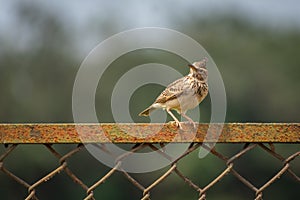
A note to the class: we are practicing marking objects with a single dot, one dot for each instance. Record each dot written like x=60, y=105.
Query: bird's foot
x=179, y=124
x=194, y=124
x=190, y=120
x=176, y=123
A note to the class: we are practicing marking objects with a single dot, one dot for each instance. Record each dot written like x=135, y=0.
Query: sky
x=155, y=13
x=78, y=15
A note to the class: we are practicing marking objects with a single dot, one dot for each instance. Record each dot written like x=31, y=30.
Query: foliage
x=259, y=65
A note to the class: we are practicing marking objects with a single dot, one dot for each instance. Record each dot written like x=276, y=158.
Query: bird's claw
x=177, y=124
x=194, y=124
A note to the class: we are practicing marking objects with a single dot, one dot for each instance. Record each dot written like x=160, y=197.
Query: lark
x=183, y=94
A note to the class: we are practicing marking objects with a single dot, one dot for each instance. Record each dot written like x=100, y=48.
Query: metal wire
x=173, y=168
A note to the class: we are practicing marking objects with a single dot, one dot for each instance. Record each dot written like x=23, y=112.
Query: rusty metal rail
x=254, y=135
x=142, y=133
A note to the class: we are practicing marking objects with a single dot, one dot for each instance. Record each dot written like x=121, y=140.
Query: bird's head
x=199, y=70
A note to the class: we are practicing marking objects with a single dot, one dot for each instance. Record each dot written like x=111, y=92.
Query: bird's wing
x=172, y=91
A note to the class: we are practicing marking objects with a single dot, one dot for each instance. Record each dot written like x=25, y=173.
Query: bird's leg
x=176, y=120
x=189, y=119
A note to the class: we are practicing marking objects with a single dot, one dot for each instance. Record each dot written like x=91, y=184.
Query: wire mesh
x=145, y=190
x=258, y=138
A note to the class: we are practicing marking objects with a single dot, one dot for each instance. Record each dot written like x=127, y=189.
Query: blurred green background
x=255, y=45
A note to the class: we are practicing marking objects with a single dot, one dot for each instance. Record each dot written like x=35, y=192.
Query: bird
x=183, y=94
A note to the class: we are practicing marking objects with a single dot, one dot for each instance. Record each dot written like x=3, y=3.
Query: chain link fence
x=288, y=164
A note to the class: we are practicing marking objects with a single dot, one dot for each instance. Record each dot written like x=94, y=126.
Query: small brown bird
x=183, y=94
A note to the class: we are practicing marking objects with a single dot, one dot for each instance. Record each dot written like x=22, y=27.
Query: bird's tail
x=147, y=111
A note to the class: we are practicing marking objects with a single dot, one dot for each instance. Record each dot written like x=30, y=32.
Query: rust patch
x=35, y=133
x=148, y=133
